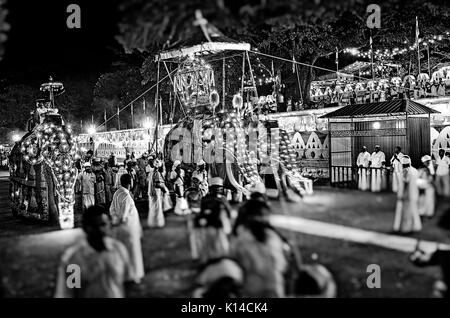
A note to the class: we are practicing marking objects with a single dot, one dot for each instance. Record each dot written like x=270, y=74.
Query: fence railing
x=370, y=179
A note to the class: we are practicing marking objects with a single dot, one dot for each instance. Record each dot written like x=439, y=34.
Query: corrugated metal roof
x=382, y=108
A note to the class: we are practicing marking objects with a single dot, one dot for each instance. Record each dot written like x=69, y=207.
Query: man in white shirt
x=396, y=167
x=363, y=163
x=377, y=163
x=127, y=226
x=442, y=174
x=103, y=262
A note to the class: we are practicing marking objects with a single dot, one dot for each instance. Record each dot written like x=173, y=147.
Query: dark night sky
x=40, y=42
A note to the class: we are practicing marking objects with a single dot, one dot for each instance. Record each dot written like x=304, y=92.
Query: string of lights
x=385, y=54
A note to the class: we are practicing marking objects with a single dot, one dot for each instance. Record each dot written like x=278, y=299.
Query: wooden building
x=401, y=122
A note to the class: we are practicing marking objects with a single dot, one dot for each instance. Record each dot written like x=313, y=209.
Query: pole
x=417, y=43
x=428, y=54
x=337, y=61
x=132, y=116
x=104, y=117
x=118, y=118
x=242, y=82
x=299, y=85
x=223, y=83
x=160, y=112
x=156, y=130
x=156, y=105
x=143, y=105
x=371, y=54
x=251, y=74
x=418, y=57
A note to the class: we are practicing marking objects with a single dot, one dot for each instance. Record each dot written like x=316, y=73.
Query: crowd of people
x=238, y=252
x=416, y=189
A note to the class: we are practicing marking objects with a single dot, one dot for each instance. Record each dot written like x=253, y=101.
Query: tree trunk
x=306, y=74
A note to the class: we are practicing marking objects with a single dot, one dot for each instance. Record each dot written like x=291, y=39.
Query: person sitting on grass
x=102, y=263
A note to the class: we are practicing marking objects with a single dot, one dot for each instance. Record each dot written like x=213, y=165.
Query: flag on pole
x=273, y=70
x=143, y=104
x=417, y=31
x=293, y=64
x=417, y=43
x=118, y=118
x=337, y=59
x=104, y=116
x=371, y=54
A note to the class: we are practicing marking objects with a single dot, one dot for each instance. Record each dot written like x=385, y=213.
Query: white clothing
x=442, y=165
x=103, y=274
x=427, y=196
x=442, y=176
x=407, y=217
x=363, y=159
x=155, y=202
x=87, y=188
x=363, y=173
x=396, y=164
x=128, y=228
x=377, y=159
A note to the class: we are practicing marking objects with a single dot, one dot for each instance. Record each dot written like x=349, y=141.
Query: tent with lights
x=401, y=122
x=42, y=170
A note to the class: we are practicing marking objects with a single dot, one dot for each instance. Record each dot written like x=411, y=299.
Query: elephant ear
x=31, y=150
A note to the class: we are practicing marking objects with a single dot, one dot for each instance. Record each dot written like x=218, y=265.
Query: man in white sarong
x=363, y=172
x=396, y=167
x=442, y=174
x=377, y=163
x=427, y=195
x=103, y=261
x=87, y=186
x=127, y=226
x=156, y=190
x=407, y=217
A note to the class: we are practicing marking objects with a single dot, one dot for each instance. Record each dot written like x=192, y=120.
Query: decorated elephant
x=42, y=169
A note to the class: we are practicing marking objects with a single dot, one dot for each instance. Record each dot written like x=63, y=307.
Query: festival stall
x=403, y=123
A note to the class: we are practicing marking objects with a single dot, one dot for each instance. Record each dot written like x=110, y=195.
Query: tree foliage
x=4, y=26
x=310, y=30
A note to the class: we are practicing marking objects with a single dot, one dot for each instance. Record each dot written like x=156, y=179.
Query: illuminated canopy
x=203, y=49
x=206, y=39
